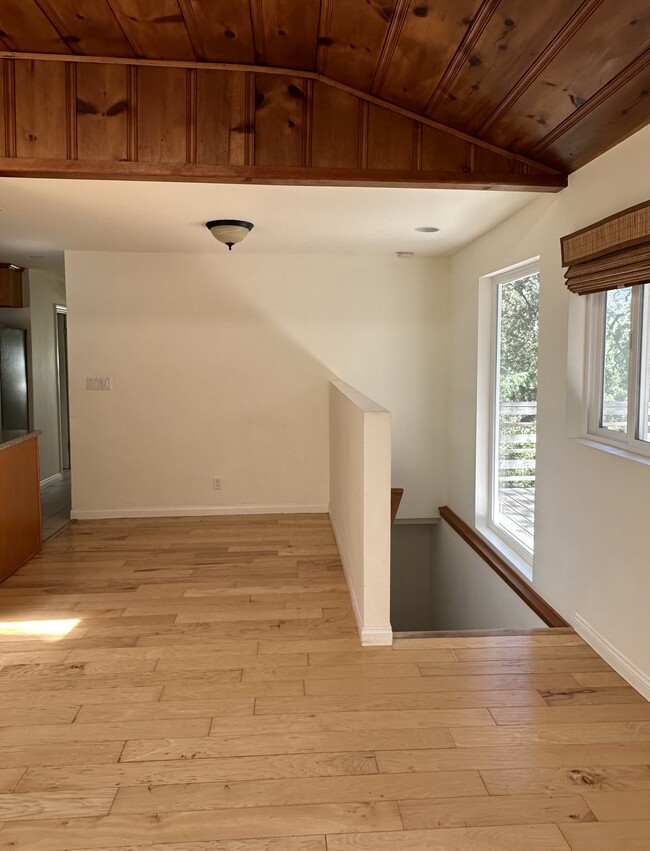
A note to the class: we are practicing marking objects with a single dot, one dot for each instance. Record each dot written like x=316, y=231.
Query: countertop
x=20, y=439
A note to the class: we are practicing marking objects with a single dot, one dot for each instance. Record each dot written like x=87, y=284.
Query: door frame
x=58, y=310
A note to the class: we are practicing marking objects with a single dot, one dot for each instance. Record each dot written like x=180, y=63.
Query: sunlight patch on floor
x=48, y=629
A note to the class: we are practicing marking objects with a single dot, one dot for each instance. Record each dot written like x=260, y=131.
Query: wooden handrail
x=498, y=564
x=396, y=495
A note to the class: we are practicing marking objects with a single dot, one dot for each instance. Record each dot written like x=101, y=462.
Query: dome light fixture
x=229, y=231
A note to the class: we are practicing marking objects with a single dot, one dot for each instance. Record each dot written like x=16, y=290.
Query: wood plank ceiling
x=558, y=81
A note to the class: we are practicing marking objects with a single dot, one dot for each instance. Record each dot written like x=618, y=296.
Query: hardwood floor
x=198, y=685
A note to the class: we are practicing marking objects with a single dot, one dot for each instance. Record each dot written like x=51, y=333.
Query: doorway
x=56, y=495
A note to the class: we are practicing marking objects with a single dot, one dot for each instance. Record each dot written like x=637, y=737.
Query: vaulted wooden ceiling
x=555, y=81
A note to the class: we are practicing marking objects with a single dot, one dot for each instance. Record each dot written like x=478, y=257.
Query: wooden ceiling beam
x=281, y=176
x=289, y=72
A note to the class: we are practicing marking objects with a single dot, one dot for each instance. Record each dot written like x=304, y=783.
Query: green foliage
x=518, y=344
x=519, y=320
x=618, y=318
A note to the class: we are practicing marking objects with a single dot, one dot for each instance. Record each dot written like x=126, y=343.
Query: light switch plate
x=98, y=384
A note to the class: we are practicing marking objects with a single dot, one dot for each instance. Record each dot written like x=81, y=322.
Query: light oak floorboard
x=47, y=805
x=217, y=746
x=9, y=778
x=494, y=810
x=242, y=823
x=56, y=754
x=398, y=702
x=211, y=694
x=533, y=837
x=584, y=779
x=271, y=793
x=396, y=685
x=619, y=806
x=535, y=756
x=107, y=732
x=583, y=696
x=637, y=732
x=508, y=715
x=167, y=709
x=283, y=843
x=228, y=769
x=422, y=719
x=608, y=836
x=599, y=679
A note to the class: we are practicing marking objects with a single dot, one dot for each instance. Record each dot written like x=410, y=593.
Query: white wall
x=592, y=551
x=46, y=289
x=220, y=366
x=360, y=461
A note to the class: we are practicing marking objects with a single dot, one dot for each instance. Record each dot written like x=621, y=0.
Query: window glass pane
x=518, y=310
x=616, y=363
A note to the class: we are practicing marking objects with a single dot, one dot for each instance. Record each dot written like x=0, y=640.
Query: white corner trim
x=194, y=511
x=57, y=477
x=628, y=670
x=371, y=636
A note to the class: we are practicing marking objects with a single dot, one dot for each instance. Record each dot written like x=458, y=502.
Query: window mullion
x=635, y=363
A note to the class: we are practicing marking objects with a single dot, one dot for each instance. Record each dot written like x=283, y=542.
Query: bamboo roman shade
x=612, y=253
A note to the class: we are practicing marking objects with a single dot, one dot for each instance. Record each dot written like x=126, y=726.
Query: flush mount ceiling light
x=427, y=229
x=229, y=231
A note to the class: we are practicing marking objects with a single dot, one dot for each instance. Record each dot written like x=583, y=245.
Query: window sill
x=611, y=449
x=514, y=559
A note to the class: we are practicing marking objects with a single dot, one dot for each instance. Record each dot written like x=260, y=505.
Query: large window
x=619, y=356
x=514, y=407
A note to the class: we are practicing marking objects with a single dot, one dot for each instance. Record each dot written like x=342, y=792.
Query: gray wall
x=439, y=583
x=467, y=594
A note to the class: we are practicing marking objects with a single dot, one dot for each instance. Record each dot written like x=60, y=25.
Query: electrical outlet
x=217, y=483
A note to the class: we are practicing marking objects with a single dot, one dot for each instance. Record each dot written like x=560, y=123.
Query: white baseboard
x=193, y=511
x=371, y=636
x=376, y=636
x=628, y=670
x=57, y=477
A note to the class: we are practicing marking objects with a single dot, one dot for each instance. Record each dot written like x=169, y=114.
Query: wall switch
x=217, y=483
x=98, y=384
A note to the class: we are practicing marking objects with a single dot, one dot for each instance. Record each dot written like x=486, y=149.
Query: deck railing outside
x=517, y=459
x=516, y=469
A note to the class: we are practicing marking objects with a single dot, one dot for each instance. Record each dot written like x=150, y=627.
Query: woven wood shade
x=612, y=253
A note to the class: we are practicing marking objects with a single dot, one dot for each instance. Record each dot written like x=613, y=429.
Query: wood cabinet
x=20, y=503
x=11, y=285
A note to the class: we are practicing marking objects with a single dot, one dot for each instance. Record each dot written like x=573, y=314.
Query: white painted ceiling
x=39, y=218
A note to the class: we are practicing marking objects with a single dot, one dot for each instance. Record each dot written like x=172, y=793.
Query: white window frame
x=515, y=547
x=637, y=382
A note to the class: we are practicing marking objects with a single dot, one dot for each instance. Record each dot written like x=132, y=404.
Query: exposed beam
x=289, y=72
x=289, y=176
